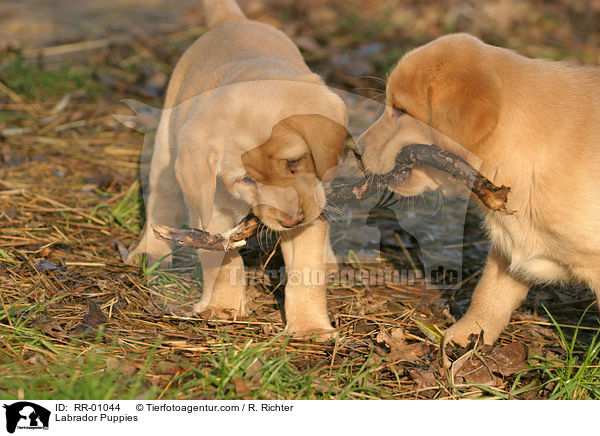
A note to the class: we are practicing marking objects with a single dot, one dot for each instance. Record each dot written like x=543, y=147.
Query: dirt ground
x=70, y=201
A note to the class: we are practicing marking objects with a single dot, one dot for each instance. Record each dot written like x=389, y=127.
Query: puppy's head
x=445, y=93
x=284, y=174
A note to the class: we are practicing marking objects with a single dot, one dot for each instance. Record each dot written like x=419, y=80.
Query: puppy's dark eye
x=396, y=111
x=293, y=165
x=248, y=180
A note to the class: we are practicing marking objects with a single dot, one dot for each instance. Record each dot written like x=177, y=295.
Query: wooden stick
x=492, y=196
x=195, y=238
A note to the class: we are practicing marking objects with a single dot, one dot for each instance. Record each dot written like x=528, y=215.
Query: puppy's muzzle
x=293, y=221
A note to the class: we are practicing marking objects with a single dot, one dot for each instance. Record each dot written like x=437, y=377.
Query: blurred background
x=342, y=40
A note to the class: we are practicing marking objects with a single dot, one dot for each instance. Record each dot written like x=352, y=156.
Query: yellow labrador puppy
x=247, y=126
x=535, y=126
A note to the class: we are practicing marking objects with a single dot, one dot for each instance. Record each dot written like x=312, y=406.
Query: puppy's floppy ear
x=465, y=107
x=196, y=174
x=256, y=165
x=324, y=137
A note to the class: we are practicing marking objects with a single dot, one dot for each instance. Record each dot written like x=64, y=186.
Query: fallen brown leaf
x=254, y=371
x=474, y=368
x=399, y=349
x=91, y=320
x=121, y=365
x=51, y=327
x=241, y=386
x=168, y=368
x=423, y=378
x=509, y=359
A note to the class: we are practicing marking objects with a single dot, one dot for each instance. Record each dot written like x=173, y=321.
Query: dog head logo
x=25, y=414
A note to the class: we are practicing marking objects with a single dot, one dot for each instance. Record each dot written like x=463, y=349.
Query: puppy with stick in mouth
x=535, y=126
x=247, y=126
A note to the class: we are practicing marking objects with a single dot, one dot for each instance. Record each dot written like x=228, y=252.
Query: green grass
x=49, y=369
x=36, y=366
x=576, y=374
x=111, y=366
x=254, y=365
x=125, y=213
x=267, y=371
x=53, y=371
x=572, y=375
x=87, y=370
x=174, y=284
x=245, y=364
x=28, y=78
x=5, y=255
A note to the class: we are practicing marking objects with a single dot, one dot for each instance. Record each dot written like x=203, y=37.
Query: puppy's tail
x=221, y=11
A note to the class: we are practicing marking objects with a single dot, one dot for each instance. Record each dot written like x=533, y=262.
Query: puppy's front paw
x=304, y=333
x=460, y=332
x=217, y=313
x=212, y=311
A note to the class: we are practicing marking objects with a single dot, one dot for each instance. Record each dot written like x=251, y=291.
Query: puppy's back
x=234, y=50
